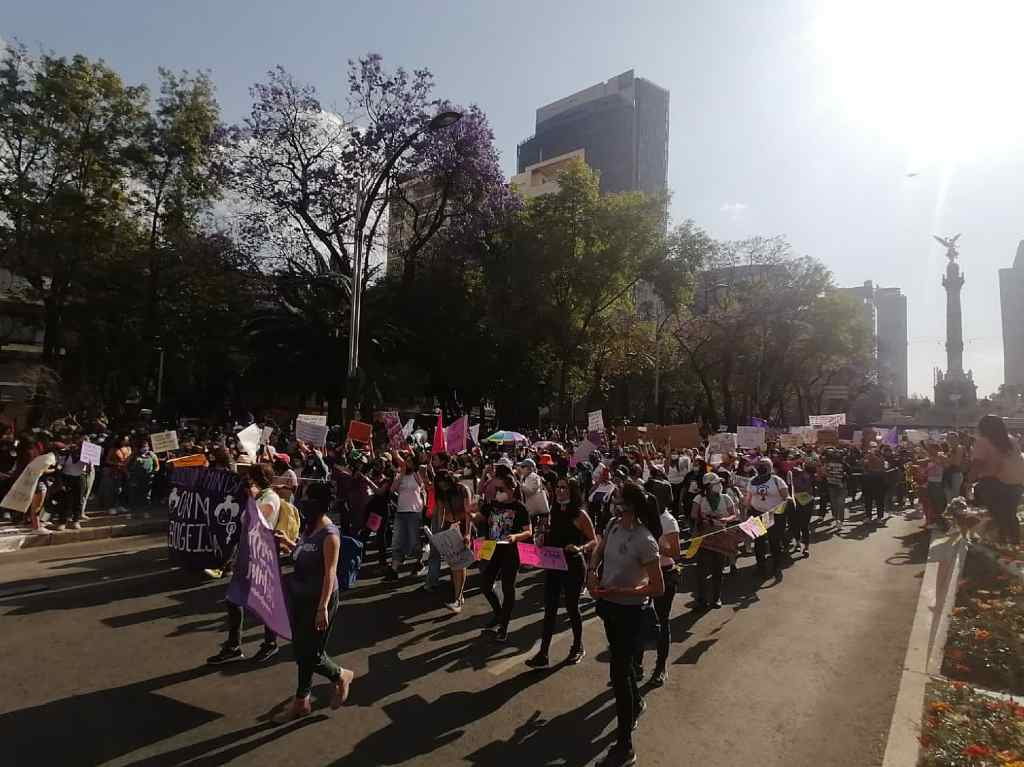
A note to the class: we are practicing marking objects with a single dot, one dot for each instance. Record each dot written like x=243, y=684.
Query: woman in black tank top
x=572, y=531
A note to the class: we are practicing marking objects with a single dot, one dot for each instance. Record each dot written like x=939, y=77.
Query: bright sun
x=943, y=79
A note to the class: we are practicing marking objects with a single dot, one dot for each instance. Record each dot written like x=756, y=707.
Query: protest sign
x=19, y=497
x=249, y=440
x=916, y=436
x=751, y=437
x=827, y=437
x=409, y=426
x=256, y=583
x=725, y=542
x=455, y=436
x=832, y=421
x=451, y=548
x=205, y=516
x=393, y=426
x=311, y=433
x=678, y=435
x=484, y=549
x=163, y=441
x=268, y=432
x=595, y=421
x=722, y=443
x=857, y=437
x=92, y=454
x=358, y=431
x=320, y=420
x=474, y=433
x=790, y=441
x=582, y=453
x=546, y=557
x=188, y=461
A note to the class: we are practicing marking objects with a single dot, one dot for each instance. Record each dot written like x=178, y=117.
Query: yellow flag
x=761, y=529
x=694, y=545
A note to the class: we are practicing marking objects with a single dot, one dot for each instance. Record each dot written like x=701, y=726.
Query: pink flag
x=455, y=436
x=438, y=445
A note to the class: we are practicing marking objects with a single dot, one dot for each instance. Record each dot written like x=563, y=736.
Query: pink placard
x=528, y=554
x=373, y=521
x=552, y=558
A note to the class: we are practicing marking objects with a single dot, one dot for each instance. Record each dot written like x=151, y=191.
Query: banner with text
x=256, y=583
x=163, y=441
x=19, y=497
x=595, y=421
x=750, y=437
x=833, y=421
x=204, y=514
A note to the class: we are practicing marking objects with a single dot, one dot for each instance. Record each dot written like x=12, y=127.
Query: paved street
x=105, y=666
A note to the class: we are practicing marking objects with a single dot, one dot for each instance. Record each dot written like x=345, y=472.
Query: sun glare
x=942, y=79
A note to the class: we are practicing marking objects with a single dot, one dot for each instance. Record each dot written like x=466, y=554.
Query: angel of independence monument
x=954, y=390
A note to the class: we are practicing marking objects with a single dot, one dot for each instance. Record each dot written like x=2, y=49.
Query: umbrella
x=546, y=446
x=506, y=436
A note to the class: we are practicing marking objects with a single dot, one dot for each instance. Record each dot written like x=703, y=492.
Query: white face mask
x=501, y=496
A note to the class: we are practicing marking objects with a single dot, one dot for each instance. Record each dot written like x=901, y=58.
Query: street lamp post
x=365, y=197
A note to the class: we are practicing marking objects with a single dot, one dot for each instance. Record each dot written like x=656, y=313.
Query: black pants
x=709, y=563
x=823, y=498
x=74, y=489
x=663, y=606
x=505, y=565
x=235, y=627
x=310, y=645
x=623, y=625
x=677, y=493
x=567, y=583
x=874, y=494
x=774, y=541
x=800, y=521
x=1002, y=501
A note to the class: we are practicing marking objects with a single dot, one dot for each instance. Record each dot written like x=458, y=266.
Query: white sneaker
x=455, y=607
x=42, y=531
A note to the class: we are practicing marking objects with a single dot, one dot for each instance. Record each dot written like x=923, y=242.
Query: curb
x=925, y=648
x=19, y=539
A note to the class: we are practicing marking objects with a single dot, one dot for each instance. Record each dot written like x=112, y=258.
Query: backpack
x=288, y=520
x=349, y=560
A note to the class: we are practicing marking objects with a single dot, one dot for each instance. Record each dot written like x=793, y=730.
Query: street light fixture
x=364, y=203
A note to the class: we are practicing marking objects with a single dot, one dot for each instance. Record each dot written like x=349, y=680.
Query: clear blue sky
x=788, y=117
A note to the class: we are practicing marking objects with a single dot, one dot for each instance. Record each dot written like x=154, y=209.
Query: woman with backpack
x=314, y=603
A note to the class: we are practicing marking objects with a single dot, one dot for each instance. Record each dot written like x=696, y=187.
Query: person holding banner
x=624, y=572
x=314, y=603
x=768, y=493
x=507, y=522
x=571, y=530
x=713, y=510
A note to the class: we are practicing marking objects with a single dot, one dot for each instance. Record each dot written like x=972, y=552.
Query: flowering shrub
x=963, y=727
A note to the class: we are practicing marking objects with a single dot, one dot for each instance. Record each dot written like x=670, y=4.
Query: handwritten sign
x=312, y=433
x=164, y=441
x=249, y=440
x=826, y=437
x=484, y=550
x=205, y=514
x=319, y=420
x=452, y=548
x=546, y=557
x=595, y=421
x=256, y=583
x=393, y=426
x=751, y=437
x=790, y=441
x=832, y=421
x=19, y=497
x=722, y=443
x=582, y=453
x=358, y=431
x=92, y=454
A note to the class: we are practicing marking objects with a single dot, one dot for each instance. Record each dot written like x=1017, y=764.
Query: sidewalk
x=98, y=524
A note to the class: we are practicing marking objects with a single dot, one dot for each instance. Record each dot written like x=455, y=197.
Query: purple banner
x=257, y=580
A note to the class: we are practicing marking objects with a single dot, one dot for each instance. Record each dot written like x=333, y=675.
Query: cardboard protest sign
x=677, y=435
x=546, y=557
x=751, y=437
x=722, y=443
x=311, y=433
x=358, y=431
x=92, y=454
x=163, y=441
x=583, y=451
x=595, y=421
x=725, y=542
x=320, y=420
x=455, y=436
x=631, y=435
x=790, y=441
x=827, y=437
x=484, y=549
x=249, y=440
x=845, y=432
x=205, y=514
x=451, y=548
x=19, y=497
x=256, y=583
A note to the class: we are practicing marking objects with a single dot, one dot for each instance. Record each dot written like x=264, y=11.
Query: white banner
x=249, y=440
x=317, y=419
x=163, y=441
x=752, y=437
x=595, y=421
x=19, y=497
x=722, y=443
x=833, y=421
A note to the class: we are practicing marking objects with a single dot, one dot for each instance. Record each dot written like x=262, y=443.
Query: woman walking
x=571, y=530
x=314, y=601
x=624, y=573
x=451, y=509
x=411, y=500
x=999, y=468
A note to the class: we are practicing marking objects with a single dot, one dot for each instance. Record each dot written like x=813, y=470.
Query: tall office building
x=1011, y=301
x=622, y=127
x=885, y=313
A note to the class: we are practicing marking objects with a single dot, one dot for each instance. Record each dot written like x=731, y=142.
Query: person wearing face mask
x=451, y=509
x=573, y=532
x=767, y=492
x=712, y=511
x=677, y=466
x=692, y=487
x=507, y=523
x=314, y=603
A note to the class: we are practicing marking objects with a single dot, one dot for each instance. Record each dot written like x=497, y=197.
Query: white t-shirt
x=410, y=499
x=768, y=495
x=668, y=525
x=676, y=475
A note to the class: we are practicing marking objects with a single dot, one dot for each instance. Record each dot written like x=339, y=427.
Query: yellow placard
x=487, y=549
x=691, y=552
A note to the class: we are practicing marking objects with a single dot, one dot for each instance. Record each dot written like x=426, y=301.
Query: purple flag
x=257, y=580
x=891, y=437
x=455, y=436
x=759, y=422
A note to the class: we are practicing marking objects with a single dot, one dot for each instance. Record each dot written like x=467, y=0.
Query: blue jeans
x=433, y=567
x=956, y=479
x=406, y=539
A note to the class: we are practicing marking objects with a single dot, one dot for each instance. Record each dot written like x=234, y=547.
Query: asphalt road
x=104, y=645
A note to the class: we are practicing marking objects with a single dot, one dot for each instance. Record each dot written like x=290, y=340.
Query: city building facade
x=885, y=313
x=1011, y=303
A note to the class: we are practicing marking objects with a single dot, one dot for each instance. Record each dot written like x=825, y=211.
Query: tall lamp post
x=365, y=197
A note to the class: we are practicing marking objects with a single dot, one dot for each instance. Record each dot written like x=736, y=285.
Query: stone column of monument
x=954, y=389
